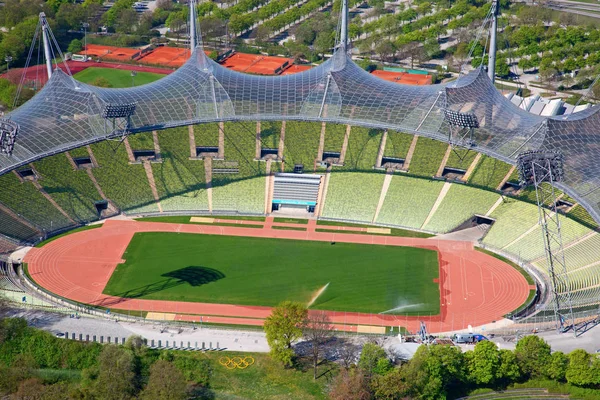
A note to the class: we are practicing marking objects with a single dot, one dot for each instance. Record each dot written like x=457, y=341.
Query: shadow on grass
x=194, y=276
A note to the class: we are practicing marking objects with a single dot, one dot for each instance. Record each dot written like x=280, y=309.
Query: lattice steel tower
x=541, y=169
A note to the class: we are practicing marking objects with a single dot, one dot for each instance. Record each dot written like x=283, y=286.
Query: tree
x=324, y=42
x=350, y=385
x=385, y=49
x=434, y=371
x=432, y=48
x=166, y=382
x=75, y=46
x=263, y=33
x=305, y=33
x=30, y=389
x=348, y=352
x=483, y=363
x=283, y=327
x=509, y=369
x=317, y=329
x=373, y=360
x=502, y=67
x=127, y=21
x=391, y=386
x=557, y=367
x=414, y=51
x=583, y=369
x=116, y=376
x=532, y=354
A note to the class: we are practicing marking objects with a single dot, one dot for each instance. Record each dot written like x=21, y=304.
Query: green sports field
x=258, y=271
x=117, y=78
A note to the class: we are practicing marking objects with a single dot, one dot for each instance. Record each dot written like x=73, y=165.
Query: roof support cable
x=214, y=96
x=325, y=95
x=27, y=63
x=235, y=144
x=486, y=20
x=542, y=125
x=586, y=93
x=429, y=111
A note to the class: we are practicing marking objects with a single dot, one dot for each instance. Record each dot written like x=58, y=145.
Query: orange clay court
x=403, y=77
x=111, y=52
x=257, y=64
x=475, y=289
x=167, y=56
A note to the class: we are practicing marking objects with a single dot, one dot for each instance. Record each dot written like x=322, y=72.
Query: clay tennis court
x=475, y=289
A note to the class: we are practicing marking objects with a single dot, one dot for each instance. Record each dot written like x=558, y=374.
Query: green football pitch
x=118, y=78
x=264, y=272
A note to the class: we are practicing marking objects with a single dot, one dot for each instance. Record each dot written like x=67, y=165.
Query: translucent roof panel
x=66, y=114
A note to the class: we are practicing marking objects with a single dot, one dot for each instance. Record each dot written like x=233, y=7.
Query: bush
x=194, y=369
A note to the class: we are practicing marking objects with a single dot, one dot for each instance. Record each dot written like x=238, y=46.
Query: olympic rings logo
x=236, y=362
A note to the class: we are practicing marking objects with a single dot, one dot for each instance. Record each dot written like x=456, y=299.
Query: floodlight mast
x=493, y=40
x=46, y=42
x=535, y=169
x=460, y=126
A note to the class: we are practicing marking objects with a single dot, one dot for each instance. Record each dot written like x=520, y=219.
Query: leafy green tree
x=69, y=16
x=305, y=33
x=75, y=46
x=434, y=371
x=373, y=360
x=126, y=21
x=111, y=16
x=483, y=363
x=324, y=42
x=386, y=50
x=508, y=371
x=55, y=4
x=283, y=327
x=166, y=382
x=583, y=369
x=502, y=68
x=533, y=354
x=116, y=377
x=557, y=367
x=391, y=386
x=525, y=63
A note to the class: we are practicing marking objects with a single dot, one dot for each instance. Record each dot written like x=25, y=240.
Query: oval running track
x=475, y=288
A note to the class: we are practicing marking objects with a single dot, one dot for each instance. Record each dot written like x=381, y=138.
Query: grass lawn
x=259, y=271
x=118, y=78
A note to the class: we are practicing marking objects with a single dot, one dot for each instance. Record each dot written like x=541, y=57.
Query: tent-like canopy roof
x=67, y=114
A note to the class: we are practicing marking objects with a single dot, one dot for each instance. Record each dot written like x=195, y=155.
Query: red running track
x=476, y=289
x=38, y=72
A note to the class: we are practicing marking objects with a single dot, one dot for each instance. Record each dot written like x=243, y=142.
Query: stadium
x=212, y=195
